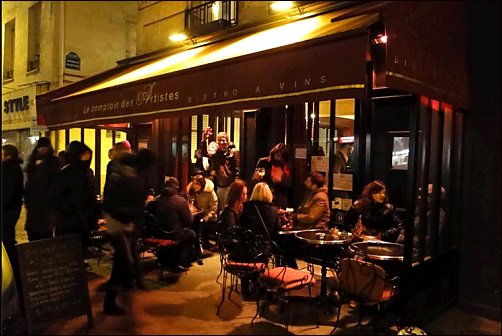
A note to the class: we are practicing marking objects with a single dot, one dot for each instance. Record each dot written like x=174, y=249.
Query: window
x=205, y=17
x=34, y=21
x=10, y=36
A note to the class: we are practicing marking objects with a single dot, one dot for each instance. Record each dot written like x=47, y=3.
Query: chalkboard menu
x=53, y=279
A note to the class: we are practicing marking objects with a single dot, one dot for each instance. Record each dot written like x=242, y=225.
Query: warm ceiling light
x=380, y=39
x=178, y=37
x=281, y=5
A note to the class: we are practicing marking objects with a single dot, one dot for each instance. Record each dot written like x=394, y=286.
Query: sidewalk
x=185, y=303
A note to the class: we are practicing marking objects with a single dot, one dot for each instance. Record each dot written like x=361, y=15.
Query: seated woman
x=201, y=190
x=377, y=216
x=261, y=217
x=231, y=213
x=173, y=214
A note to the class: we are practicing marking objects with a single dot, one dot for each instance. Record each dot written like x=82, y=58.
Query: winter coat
x=381, y=219
x=250, y=219
x=74, y=194
x=205, y=200
x=124, y=193
x=314, y=210
x=228, y=218
x=12, y=197
x=41, y=175
x=224, y=165
x=173, y=214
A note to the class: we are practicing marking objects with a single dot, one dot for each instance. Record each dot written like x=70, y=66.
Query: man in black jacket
x=124, y=202
x=173, y=215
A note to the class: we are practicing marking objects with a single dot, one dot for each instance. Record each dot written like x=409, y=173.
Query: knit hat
x=44, y=142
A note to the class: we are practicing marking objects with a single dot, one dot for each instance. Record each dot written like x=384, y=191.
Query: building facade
x=314, y=76
x=46, y=45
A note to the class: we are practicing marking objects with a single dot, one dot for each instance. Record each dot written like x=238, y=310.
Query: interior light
x=380, y=39
x=178, y=37
x=312, y=116
x=281, y=5
x=216, y=9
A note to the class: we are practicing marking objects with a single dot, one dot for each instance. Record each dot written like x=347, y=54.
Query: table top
x=295, y=231
x=379, y=250
x=329, y=238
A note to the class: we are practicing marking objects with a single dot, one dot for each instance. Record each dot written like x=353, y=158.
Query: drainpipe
x=62, y=43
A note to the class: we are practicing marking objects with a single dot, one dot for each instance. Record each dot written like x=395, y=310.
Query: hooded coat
x=12, y=198
x=74, y=194
x=205, y=200
x=124, y=194
x=41, y=174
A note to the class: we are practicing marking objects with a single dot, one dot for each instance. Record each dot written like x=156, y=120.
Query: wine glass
x=260, y=171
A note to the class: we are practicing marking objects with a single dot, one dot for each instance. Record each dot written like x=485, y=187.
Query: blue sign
x=72, y=61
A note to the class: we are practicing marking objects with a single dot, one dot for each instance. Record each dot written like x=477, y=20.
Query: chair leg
x=312, y=312
x=223, y=286
x=233, y=282
x=219, y=274
x=257, y=310
x=339, y=308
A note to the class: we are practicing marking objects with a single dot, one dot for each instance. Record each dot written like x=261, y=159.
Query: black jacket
x=74, y=194
x=12, y=191
x=124, y=194
x=41, y=175
x=251, y=220
x=381, y=218
x=172, y=213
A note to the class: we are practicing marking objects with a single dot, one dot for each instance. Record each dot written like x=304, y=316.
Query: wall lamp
x=180, y=37
x=378, y=34
x=282, y=6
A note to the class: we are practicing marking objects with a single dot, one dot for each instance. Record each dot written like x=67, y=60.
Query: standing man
x=123, y=204
x=224, y=164
x=42, y=169
x=342, y=157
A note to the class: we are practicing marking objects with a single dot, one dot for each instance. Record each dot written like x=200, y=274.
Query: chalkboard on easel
x=54, y=282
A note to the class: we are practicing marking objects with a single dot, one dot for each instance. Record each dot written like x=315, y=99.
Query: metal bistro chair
x=365, y=283
x=278, y=282
x=239, y=251
x=159, y=241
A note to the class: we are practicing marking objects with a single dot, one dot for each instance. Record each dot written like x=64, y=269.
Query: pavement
x=185, y=304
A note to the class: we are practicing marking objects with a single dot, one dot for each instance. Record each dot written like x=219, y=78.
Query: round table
x=326, y=244
x=386, y=254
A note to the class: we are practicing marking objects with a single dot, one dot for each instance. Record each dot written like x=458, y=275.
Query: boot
x=110, y=307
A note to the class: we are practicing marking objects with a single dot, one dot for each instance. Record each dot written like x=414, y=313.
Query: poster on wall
x=320, y=164
x=342, y=182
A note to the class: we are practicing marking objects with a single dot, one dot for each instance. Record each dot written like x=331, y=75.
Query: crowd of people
x=60, y=199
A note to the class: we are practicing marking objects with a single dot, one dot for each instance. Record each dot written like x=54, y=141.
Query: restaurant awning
x=427, y=49
x=311, y=58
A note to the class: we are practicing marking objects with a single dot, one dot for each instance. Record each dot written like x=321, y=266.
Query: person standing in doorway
x=42, y=168
x=225, y=163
